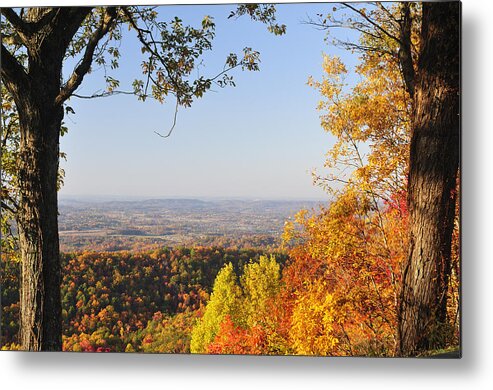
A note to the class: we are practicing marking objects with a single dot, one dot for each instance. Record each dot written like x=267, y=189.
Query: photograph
x=232, y=179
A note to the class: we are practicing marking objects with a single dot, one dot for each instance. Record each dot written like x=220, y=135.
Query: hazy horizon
x=118, y=197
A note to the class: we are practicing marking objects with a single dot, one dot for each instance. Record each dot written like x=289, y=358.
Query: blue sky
x=260, y=139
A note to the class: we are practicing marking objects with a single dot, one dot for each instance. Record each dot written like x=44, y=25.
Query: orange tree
x=353, y=248
x=387, y=127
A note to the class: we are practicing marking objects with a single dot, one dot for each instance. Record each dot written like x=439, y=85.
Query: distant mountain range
x=190, y=204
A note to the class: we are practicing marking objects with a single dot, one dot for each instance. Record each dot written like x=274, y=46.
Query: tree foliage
x=340, y=292
x=223, y=303
x=146, y=301
x=236, y=318
x=356, y=247
x=171, y=48
x=312, y=324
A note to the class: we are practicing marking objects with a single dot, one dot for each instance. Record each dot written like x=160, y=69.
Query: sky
x=260, y=139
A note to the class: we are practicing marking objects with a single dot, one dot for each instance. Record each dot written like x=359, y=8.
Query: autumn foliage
x=339, y=291
x=332, y=289
x=121, y=301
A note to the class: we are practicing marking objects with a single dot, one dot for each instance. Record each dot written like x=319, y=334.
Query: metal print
x=267, y=179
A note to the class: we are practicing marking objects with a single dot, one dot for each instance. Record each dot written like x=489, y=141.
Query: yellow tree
x=422, y=41
x=237, y=317
x=401, y=119
x=314, y=316
x=340, y=252
x=260, y=284
x=223, y=302
x=361, y=238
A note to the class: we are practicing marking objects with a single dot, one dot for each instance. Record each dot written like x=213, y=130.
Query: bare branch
x=103, y=94
x=112, y=93
x=376, y=25
x=83, y=67
x=174, y=122
x=322, y=25
x=363, y=48
x=362, y=28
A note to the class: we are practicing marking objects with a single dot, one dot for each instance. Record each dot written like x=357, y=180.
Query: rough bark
x=434, y=161
x=46, y=34
x=40, y=120
x=38, y=230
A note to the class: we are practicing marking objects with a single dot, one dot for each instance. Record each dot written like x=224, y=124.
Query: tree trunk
x=45, y=34
x=38, y=234
x=434, y=161
x=40, y=121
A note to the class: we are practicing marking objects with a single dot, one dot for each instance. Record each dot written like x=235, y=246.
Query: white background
x=132, y=371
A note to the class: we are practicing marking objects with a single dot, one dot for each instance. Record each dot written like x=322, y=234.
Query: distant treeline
x=135, y=240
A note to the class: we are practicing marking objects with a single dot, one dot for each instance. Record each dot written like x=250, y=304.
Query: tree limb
x=20, y=27
x=174, y=122
x=376, y=25
x=66, y=22
x=154, y=52
x=13, y=73
x=43, y=21
x=103, y=94
x=363, y=48
x=362, y=28
x=389, y=14
x=5, y=206
x=83, y=67
x=405, y=53
x=25, y=28
x=15, y=20
x=8, y=128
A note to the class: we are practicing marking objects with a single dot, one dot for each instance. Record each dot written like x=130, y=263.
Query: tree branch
x=323, y=26
x=5, y=206
x=362, y=48
x=43, y=21
x=42, y=18
x=8, y=128
x=376, y=25
x=174, y=122
x=13, y=73
x=20, y=27
x=66, y=22
x=389, y=14
x=103, y=94
x=26, y=28
x=153, y=51
x=15, y=20
x=83, y=67
x=405, y=53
